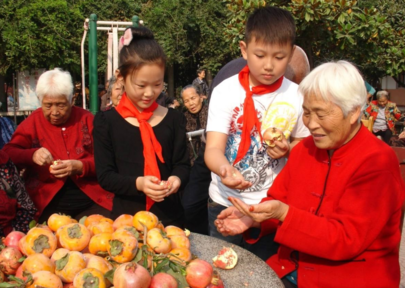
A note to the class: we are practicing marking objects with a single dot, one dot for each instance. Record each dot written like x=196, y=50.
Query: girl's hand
x=150, y=185
x=280, y=147
x=174, y=184
x=232, y=178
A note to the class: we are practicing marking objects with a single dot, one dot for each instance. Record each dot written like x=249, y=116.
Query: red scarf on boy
x=151, y=145
x=249, y=112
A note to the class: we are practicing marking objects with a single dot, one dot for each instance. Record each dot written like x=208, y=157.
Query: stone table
x=251, y=271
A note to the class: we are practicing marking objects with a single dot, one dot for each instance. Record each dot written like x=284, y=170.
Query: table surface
x=251, y=271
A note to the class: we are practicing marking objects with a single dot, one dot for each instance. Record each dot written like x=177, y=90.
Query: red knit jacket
x=73, y=140
x=344, y=215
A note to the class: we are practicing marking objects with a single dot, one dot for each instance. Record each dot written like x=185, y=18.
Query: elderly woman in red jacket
x=55, y=146
x=336, y=205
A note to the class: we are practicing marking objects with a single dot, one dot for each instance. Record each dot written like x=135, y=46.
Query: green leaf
x=109, y=275
x=61, y=263
x=81, y=221
x=32, y=224
x=181, y=279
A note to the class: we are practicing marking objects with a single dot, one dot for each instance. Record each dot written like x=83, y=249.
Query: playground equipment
x=112, y=27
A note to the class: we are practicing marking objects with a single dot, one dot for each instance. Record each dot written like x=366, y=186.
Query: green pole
x=94, y=101
x=135, y=21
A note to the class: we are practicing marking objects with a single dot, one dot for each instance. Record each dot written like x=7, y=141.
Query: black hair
x=142, y=50
x=270, y=25
x=199, y=70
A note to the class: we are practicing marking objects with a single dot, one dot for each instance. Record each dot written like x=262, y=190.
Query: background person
x=114, y=92
x=63, y=133
x=16, y=207
x=242, y=166
x=200, y=83
x=385, y=113
x=196, y=116
x=334, y=230
x=140, y=143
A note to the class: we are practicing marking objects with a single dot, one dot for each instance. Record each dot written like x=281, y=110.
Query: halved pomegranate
x=226, y=258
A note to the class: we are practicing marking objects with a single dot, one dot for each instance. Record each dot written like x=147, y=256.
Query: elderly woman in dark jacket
x=196, y=115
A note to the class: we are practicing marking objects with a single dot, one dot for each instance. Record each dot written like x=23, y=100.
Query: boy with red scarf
x=242, y=164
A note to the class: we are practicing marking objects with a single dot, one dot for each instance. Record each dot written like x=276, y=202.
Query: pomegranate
x=9, y=260
x=199, y=273
x=271, y=135
x=226, y=258
x=13, y=238
x=131, y=275
x=163, y=280
x=216, y=281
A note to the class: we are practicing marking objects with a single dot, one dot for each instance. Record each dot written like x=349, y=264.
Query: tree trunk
x=3, y=95
x=170, y=76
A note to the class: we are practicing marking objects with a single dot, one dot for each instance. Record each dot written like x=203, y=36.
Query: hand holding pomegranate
x=278, y=144
x=42, y=157
x=272, y=209
x=175, y=184
x=153, y=188
x=65, y=168
x=233, y=222
x=232, y=178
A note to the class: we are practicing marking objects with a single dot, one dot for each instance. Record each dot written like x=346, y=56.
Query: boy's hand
x=280, y=146
x=151, y=186
x=232, y=178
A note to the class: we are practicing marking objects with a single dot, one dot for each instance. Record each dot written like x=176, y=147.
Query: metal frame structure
x=93, y=25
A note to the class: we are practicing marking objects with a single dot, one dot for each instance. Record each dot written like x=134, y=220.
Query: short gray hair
x=188, y=87
x=339, y=82
x=111, y=83
x=383, y=93
x=54, y=83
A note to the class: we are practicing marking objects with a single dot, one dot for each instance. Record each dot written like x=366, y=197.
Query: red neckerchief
x=151, y=145
x=249, y=112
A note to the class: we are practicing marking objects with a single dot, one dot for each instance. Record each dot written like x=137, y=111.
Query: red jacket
x=344, y=215
x=73, y=140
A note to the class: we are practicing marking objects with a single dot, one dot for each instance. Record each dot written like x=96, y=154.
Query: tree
x=339, y=29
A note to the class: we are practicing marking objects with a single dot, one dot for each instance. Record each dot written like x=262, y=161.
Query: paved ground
x=402, y=257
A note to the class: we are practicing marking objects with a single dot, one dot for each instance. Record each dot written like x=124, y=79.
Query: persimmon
x=100, y=264
x=69, y=265
x=158, y=241
x=40, y=240
x=100, y=227
x=105, y=219
x=145, y=219
x=22, y=245
x=180, y=254
x=98, y=244
x=74, y=237
x=89, y=278
x=174, y=230
x=59, y=253
x=123, y=220
x=45, y=279
x=57, y=220
x=130, y=229
x=179, y=241
x=94, y=218
x=38, y=262
x=122, y=246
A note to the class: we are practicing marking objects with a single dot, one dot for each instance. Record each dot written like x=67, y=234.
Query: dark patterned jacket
x=196, y=122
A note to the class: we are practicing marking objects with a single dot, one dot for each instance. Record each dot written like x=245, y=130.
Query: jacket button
x=282, y=267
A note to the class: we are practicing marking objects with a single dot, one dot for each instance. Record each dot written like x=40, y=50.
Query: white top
x=281, y=109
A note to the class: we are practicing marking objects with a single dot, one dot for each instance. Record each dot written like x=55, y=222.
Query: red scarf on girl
x=249, y=112
x=151, y=145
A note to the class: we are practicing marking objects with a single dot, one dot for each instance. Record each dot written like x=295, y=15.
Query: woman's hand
x=232, y=178
x=66, y=168
x=150, y=185
x=272, y=209
x=232, y=222
x=42, y=157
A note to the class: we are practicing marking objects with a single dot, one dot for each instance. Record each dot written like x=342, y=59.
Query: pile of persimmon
x=97, y=252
